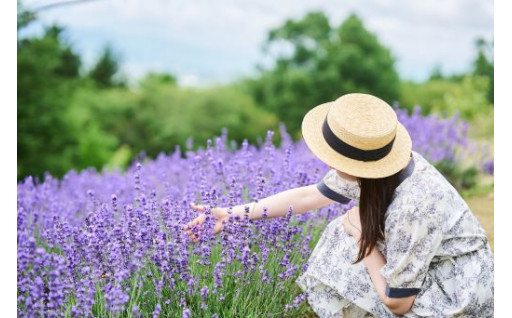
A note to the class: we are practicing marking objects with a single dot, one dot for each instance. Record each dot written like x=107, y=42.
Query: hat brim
x=395, y=161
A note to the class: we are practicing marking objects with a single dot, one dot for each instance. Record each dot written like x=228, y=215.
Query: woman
x=412, y=247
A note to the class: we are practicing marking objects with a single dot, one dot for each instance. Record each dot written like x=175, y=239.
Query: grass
x=482, y=206
x=255, y=300
x=481, y=198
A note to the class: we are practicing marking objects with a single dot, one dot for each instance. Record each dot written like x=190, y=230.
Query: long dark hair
x=374, y=199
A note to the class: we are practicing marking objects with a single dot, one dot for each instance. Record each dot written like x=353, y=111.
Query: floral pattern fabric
x=434, y=248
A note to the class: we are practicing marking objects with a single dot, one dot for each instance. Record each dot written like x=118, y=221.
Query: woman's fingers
x=197, y=207
x=197, y=221
x=193, y=236
x=217, y=227
x=191, y=225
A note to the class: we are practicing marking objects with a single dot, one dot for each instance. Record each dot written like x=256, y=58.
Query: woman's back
x=434, y=246
x=426, y=191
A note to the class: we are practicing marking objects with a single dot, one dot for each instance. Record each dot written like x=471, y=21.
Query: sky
x=204, y=42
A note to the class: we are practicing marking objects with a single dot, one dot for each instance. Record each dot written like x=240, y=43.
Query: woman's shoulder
x=426, y=193
x=425, y=180
x=337, y=188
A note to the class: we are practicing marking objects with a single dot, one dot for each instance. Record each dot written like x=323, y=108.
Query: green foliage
x=471, y=93
x=163, y=78
x=482, y=126
x=436, y=73
x=24, y=16
x=468, y=96
x=103, y=73
x=160, y=115
x=67, y=120
x=120, y=158
x=95, y=147
x=48, y=73
x=325, y=63
x=483, y=66
x=462, y=178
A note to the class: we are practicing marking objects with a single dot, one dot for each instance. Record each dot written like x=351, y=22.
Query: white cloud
x=189, y=80
x=216, y=40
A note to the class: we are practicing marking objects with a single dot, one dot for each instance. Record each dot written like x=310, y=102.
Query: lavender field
x=110, y=243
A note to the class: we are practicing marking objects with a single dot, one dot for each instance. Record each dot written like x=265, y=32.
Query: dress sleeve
x=338, y=189
x=413, y=234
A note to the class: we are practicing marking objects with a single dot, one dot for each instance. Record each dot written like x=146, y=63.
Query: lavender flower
x=204, y=292
x=488, y=167
x=156, y=312
x=100, y=237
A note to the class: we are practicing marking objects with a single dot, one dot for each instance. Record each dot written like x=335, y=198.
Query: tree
x=324, y=63
x=159, y=115
x=436, y=73
x=48, y=72
x=163, y=78
x=104, y=71
x=24, y=16
x=484, y=66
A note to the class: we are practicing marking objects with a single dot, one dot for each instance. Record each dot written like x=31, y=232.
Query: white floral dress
x=434, y=247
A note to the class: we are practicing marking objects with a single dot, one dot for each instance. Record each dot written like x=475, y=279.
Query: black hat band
x=352, y=152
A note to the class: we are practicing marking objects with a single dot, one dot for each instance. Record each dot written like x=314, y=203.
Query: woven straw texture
x=363, y=121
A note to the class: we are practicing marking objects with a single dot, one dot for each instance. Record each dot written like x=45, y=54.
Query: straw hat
x=358, y=134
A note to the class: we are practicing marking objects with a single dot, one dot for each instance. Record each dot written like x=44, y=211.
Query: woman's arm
x=302, y=199
x=374, y=262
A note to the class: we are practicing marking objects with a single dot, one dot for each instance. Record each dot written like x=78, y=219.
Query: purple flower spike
x=119, y=237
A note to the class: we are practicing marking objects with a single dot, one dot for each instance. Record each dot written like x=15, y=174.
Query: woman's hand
x=220, y=214
x=351, y=222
